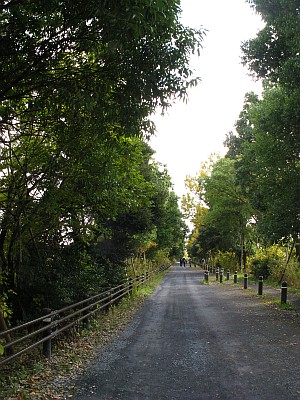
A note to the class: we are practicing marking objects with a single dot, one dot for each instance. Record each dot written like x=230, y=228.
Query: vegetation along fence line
x=41, y=331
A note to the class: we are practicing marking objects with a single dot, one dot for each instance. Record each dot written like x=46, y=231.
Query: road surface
x=193, y=341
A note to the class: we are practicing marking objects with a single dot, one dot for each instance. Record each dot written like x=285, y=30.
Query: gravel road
x=192, y=341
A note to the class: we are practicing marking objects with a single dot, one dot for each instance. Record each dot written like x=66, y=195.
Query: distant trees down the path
x=81, y=197
x=246, y=206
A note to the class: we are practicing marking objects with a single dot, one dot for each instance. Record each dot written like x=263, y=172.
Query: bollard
x=283, y=292
x=217, y=274
x=235, y=277
x=206, y=275
x=227, y=275
x=245, y=281
x=260, y=285
x=221, y=276
x=47, y=344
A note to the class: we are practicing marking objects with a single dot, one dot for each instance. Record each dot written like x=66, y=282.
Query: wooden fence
x=41, y=331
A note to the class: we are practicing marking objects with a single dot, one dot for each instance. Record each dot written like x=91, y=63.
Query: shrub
x=290, y=273
x=260, y=267
x=266, y=262
x=227, y=260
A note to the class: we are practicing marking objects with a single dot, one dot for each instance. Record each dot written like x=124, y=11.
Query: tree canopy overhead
x=111, y=61
x=79, y=82
x=274, y=52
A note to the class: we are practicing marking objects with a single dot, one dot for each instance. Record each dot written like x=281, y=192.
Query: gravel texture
x=194, y=341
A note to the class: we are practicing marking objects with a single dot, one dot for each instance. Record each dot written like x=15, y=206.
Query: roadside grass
x=284, y=306
x=203, y=282
x=252, y=280
x=33, y=377
x=294, y=290
x=272, y=301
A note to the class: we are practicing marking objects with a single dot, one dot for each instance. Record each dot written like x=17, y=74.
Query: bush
x=227, y=260
x=270, y=262
x=260, y=267
x=267, y=262
x=289, y=273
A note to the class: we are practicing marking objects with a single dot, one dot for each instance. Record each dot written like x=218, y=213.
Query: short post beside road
x=206, y=273
x=245, y=281
x=235, y=277
x=227, y=275
x=47, y=333
x=221, y=276
x=283, y=292
x=260, y=285
x=217, y=274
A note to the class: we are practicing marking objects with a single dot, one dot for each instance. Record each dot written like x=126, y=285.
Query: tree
x=274, y=56
x=274, y=52
x=171, y=229
x=79, y=82
x=132, y=55
x=224, y=221
x=229, y=209
x=269, y=162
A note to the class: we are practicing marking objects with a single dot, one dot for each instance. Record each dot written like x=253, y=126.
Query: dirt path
x=194, y=342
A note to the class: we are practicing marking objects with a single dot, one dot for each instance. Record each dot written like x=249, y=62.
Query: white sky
x=189, y=133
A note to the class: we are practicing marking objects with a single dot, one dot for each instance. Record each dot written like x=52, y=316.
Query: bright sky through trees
x=189, y=133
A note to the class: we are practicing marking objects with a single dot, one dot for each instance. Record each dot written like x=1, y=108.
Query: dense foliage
x=80, y=192
x=224, y=219
x=254, y=191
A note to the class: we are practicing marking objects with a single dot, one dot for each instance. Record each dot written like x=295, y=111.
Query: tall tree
x=274, y=52
x=132, y=55
x=77, y=81
x=225, y=220
x=274, y=56
x=268, y=162
x=229, y=209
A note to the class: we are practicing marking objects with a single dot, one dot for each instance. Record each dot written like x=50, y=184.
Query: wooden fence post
x=47, y=332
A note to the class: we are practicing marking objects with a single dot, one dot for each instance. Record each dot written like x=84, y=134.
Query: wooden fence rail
x=41, y=331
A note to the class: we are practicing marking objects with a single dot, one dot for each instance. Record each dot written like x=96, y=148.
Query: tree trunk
x=243, y=260
x=2, y=253
x=297, y=247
